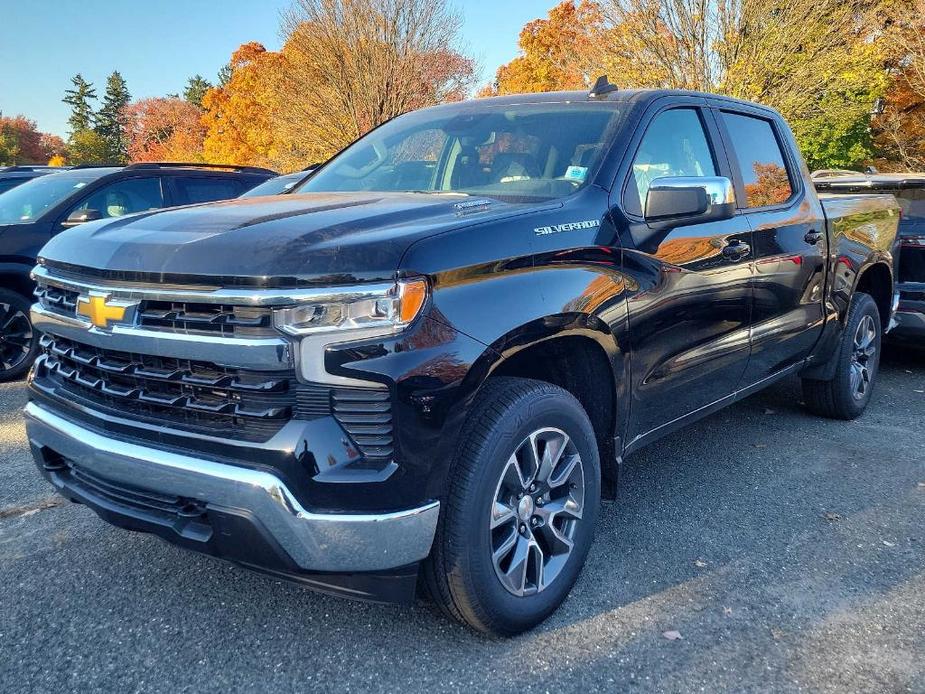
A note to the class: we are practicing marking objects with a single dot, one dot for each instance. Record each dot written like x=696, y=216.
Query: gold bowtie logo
x=100, y=310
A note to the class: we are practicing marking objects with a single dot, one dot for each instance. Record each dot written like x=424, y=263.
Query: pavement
x=787, y=552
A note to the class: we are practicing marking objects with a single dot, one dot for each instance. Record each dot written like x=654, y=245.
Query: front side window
x=675, y=144
x=761, y=161
x=27, y=202
x=515, y=152
x=124, y=197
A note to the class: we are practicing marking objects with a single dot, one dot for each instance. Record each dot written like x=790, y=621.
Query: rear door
x=689, y=316
x=788, y=238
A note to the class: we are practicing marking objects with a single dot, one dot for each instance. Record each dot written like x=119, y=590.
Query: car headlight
x=372, y=309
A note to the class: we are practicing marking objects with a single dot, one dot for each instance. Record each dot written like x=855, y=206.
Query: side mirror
x=80, y=216
x=675, y=201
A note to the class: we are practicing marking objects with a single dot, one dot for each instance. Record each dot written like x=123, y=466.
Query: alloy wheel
x=863, y=359
x=535, y=512
x=15, y=336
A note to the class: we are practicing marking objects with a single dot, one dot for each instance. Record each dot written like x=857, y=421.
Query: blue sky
x=158, y=44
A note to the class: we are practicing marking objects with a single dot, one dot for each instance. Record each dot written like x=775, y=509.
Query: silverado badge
x=99, y=309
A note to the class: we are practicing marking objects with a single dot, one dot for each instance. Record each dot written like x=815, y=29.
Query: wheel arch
x=579, y=354
x=876, y=279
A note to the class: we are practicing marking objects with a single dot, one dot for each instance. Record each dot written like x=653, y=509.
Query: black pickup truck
x=425, y=366
x=909, y=189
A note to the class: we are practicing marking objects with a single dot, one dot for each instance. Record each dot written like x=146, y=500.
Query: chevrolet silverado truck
x=909, y=189
x=423, y=368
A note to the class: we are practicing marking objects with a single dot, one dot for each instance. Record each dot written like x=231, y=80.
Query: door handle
x=813, y=237
x=736, y=250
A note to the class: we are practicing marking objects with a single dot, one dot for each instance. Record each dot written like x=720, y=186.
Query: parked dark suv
x=12, y=176
x=909, y=189
x=34, y=212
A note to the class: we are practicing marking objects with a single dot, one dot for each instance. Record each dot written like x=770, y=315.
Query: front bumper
x=246, y=515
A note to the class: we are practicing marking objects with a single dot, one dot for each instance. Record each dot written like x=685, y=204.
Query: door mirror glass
x=80, y=216
x=683, y=200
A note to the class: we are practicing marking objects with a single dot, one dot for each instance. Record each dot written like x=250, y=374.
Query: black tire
x=19, y=343
x=839, y=398
x=461, y=575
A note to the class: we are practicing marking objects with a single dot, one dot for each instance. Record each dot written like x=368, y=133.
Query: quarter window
x=674, y=145
x=761, y=161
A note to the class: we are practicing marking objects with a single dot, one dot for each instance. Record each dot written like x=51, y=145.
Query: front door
x=689, y=317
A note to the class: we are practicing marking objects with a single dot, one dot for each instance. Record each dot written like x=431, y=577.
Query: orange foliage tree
x=555, y=52
x=238, y=116
x=163, y=129
x=22, y=143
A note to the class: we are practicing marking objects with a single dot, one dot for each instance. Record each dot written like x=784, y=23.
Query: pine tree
x=196, y=88
x=78, y=99
x=110, y=120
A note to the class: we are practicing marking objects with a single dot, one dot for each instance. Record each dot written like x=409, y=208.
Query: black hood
x=312, y=238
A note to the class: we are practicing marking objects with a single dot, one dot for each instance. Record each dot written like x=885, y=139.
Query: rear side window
x=193, y=190
x=674, y=145
x=761, y=161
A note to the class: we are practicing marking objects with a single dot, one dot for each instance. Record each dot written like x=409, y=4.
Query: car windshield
x=275, y=186
x=514, y=152
x=29, y=201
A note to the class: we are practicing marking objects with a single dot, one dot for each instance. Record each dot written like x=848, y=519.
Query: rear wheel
x=520, y=513
x=846, y=395
x=18, y=341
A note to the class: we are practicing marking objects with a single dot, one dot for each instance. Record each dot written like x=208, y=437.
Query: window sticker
x=576, y=173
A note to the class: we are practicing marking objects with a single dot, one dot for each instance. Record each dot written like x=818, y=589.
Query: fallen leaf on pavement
x=777, y=634
x=672, y=635
x=727, y=611
x=832, y=516
x=889, y=544
x=921, y=485
x=700, y=563
x=768, y=410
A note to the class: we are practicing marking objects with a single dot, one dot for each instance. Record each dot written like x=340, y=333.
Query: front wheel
x=18, y=341
x=846, y=395
x=521, y=508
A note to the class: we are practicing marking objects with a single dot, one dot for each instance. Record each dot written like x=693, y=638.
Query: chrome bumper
x=314, y=541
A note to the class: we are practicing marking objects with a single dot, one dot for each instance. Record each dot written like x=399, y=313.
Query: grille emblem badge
x=100, y=310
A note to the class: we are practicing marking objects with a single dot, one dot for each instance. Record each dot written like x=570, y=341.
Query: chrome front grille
x=189, y=318
x=181, y=393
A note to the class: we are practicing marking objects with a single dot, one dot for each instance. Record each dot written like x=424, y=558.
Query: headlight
x=373, y=309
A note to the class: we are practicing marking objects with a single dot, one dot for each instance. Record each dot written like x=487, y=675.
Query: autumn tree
x=87, y=147
x=814, y=60
x=21, y=142
x=110, y=120
x=350, y=65
x=163, y=129
x=899, y=127
x=238, y=115
x=555, y=53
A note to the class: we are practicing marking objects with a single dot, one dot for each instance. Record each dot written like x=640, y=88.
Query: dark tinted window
x=674, y=145
x=763, y=167
x=193, y=190
x=7, y=183
x=127, y=196
x=912, y=202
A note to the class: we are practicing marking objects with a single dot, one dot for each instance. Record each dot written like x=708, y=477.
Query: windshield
x=515, y=152
x=27, y=202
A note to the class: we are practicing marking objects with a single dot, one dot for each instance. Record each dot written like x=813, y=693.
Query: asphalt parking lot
x=787, y=551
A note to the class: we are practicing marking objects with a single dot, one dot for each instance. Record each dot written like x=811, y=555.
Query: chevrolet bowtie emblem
x=99, y=309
